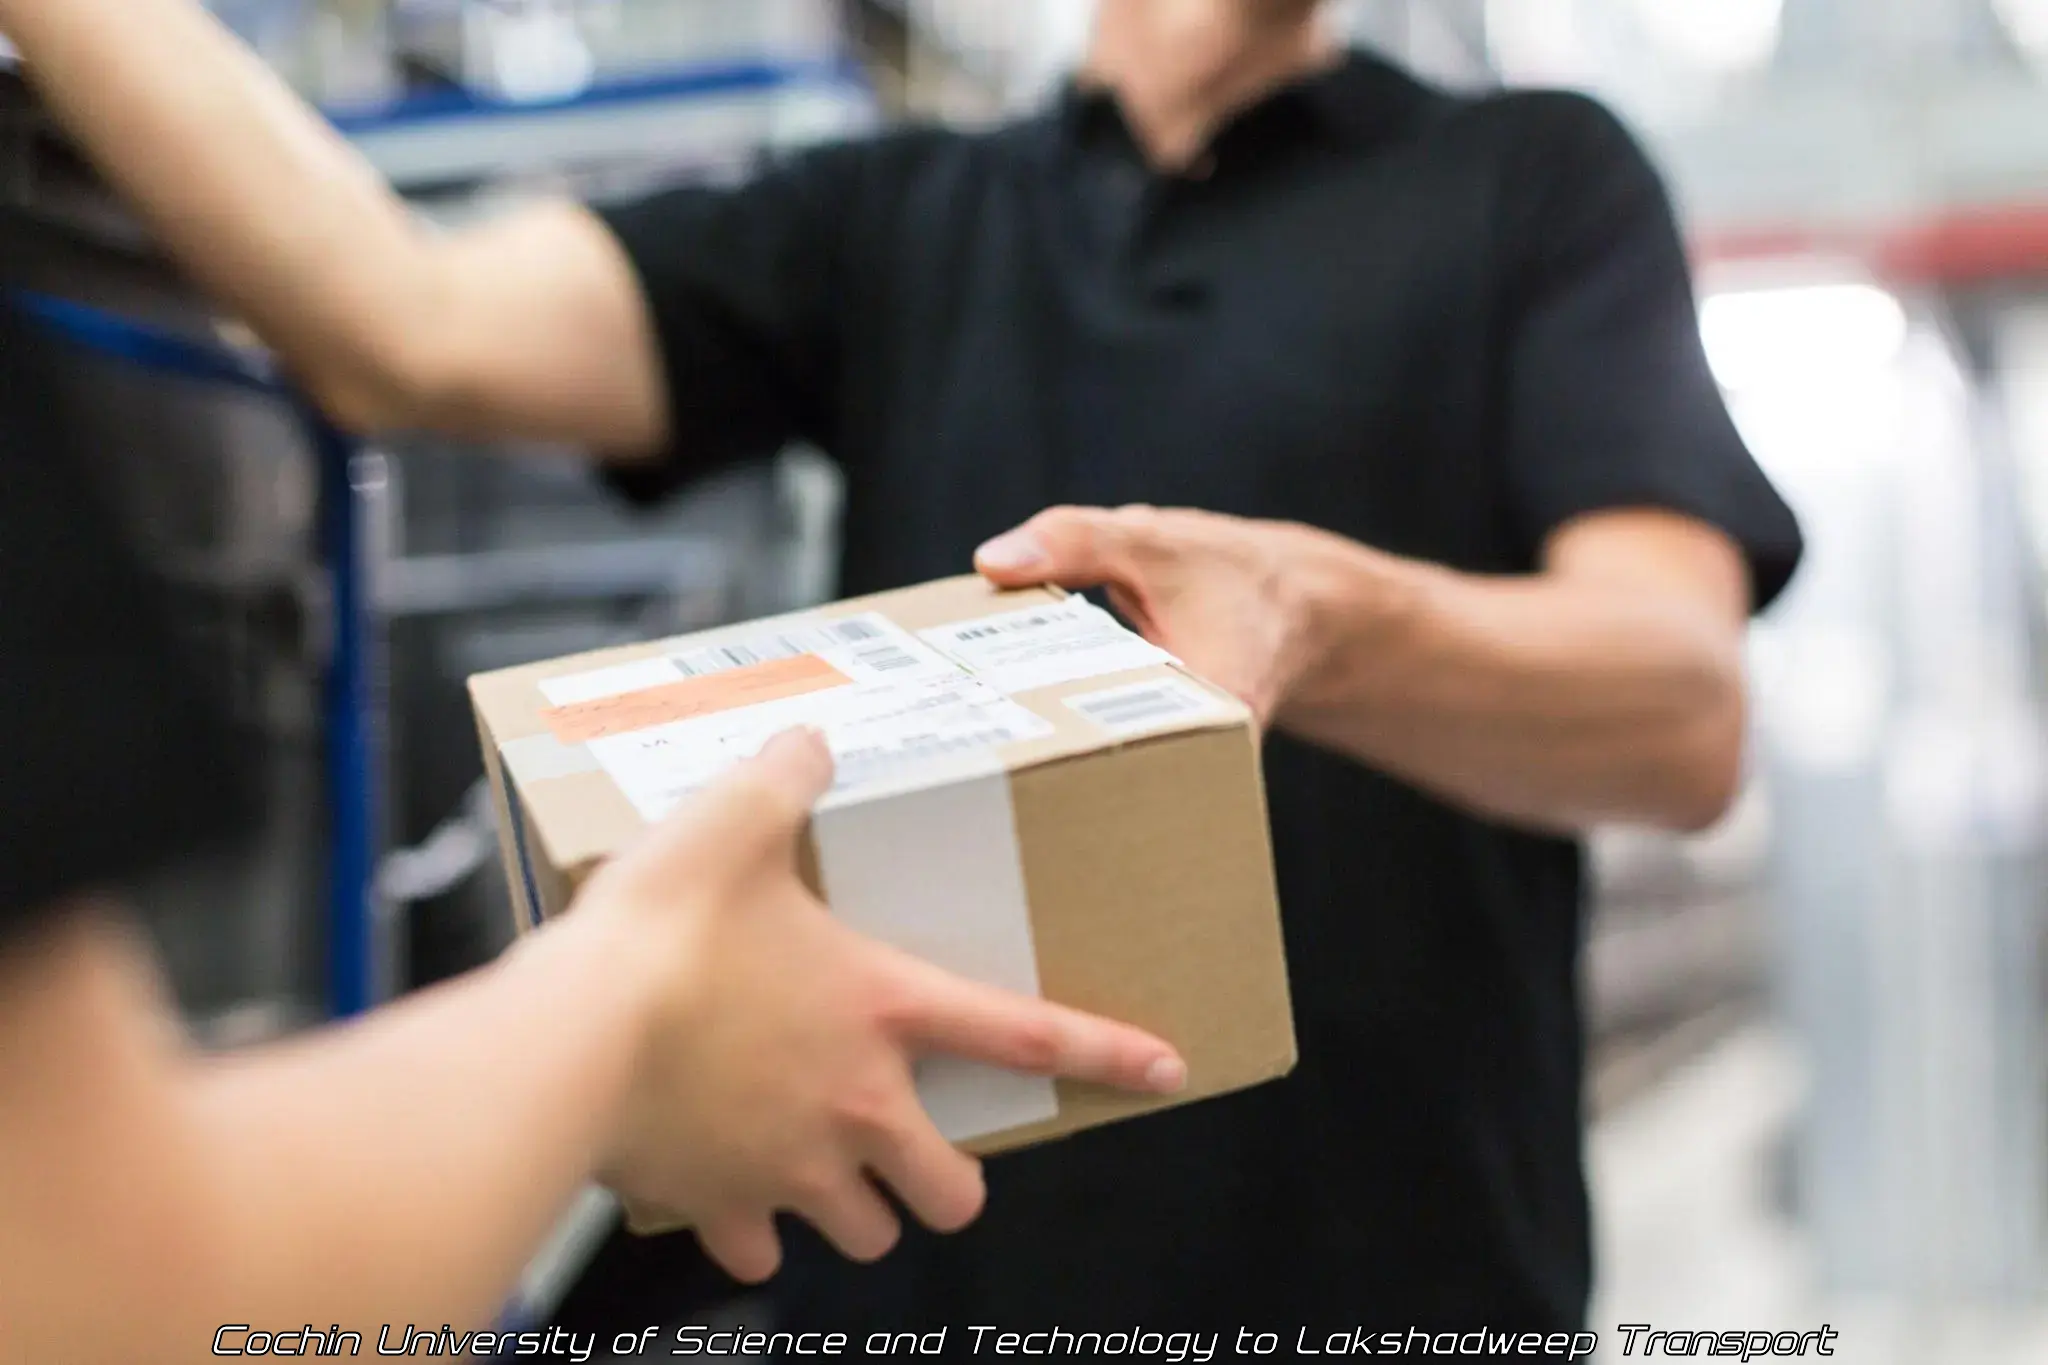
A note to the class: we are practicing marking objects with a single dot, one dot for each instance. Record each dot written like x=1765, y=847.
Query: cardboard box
x=1028, y=794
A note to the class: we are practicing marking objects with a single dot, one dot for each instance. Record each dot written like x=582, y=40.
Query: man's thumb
x=1065, y=545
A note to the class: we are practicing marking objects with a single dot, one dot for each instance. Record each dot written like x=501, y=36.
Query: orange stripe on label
x=650, y=706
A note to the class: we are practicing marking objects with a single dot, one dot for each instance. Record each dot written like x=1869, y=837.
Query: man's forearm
x=270, y=209
x=1540, y=700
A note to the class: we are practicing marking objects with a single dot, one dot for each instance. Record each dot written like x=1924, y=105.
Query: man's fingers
x=1131, y=606
x=942, y=1013
x=1075, y=547
x=853, y=1218
x=938, y=1182
x=745, y=1244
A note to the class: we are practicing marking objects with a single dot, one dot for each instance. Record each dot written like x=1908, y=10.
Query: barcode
x=719, y=660
x=886, y=659
x=859, y=766
x=786, y=644
x=990, y=630
x=1122, y=709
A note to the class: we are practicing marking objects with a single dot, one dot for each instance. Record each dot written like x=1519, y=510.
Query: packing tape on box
x=933, y=867
x=536, y=758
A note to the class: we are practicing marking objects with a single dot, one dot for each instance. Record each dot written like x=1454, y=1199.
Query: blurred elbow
x=392, y=361
x=376, y=386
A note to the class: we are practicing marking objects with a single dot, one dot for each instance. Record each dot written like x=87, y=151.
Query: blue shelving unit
x=691, y=85
x=349, y=721
x=455, y=136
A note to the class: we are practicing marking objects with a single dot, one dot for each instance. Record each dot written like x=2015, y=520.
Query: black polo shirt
x=118, y=758
x=1442, y=326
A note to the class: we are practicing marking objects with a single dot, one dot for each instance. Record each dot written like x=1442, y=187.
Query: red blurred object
x=1965, y=247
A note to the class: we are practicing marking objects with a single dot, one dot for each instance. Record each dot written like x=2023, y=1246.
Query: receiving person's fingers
x=744, y=1244
x=853, y=1218
x=940, y=1184
x=937, y=1012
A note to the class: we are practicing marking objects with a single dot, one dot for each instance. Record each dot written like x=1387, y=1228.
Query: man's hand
x=1604, y=687
x=777, y=1075
x=1229, y=597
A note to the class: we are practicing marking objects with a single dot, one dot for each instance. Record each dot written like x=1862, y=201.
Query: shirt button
x=1180, y=294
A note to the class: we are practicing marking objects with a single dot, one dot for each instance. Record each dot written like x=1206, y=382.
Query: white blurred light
x=1805, y=335
x=2027, y=22
x=1829, y=698
x=1537, y=40
x=531, y=54
x=1720, y=35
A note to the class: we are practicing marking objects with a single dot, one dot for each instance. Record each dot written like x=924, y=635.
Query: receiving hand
x=1227, y=596
x=777, y=1074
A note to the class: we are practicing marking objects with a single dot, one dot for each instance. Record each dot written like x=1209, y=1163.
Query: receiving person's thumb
x=752, y=813
x=796, y=764
x=765, y=801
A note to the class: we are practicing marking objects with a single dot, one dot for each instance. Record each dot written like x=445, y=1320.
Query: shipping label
x=1043, y=646
x=1164, y=704
x=887, y=703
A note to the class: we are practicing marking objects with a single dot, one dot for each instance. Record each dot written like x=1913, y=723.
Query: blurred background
x=1821, y=1076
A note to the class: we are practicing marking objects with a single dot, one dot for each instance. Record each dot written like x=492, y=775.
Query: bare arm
x=1607, y=686
x=532, y=326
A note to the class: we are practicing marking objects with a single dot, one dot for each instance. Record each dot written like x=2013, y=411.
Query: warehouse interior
x=1818, y=1032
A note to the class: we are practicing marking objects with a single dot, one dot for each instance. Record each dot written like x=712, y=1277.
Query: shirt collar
x=1085, y=111
x=1361, y=98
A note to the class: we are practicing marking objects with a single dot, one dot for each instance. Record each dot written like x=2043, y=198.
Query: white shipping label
x=1140, y=707
x=869, y=648
x=881, y=732
x=1044, y=646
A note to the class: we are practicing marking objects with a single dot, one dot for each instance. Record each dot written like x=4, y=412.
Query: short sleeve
x=743, y=285
x=1609, y=399
x=118, y=761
